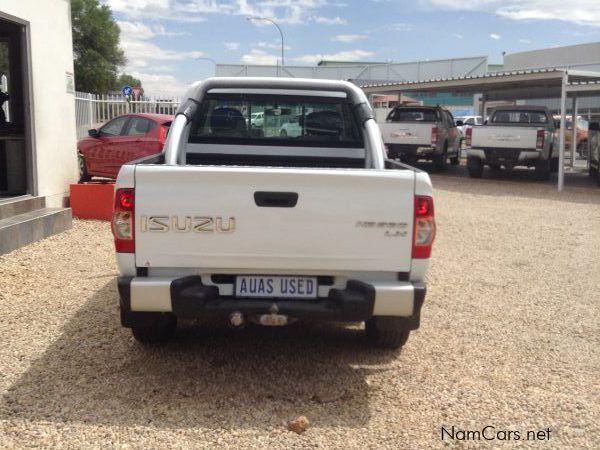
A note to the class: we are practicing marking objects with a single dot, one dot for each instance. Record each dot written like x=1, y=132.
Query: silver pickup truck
x=411, y=133
x=513, y=136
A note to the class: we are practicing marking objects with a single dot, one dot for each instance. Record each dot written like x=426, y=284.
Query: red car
x=119, y=141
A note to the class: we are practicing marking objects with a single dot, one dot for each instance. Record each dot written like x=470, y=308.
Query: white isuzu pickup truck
x=239, y=223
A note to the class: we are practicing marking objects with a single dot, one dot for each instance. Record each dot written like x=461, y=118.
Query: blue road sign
x=127, y=91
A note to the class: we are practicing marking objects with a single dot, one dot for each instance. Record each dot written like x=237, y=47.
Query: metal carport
x=511, y=86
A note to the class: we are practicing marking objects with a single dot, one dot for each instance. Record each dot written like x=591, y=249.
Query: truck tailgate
x=406, y=133
x=504, y=137
x=208, y=217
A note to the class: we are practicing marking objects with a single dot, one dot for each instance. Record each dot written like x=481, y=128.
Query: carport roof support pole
x=574, y=113
x=561, y=145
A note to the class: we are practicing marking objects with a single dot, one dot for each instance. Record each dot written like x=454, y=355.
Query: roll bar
x=193, y=98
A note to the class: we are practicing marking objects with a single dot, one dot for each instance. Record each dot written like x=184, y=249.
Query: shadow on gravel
x=520, y=182
x=217, y=378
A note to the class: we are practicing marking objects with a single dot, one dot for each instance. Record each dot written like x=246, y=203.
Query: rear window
x=413, y=115
x=257, y=119
x=517, y=116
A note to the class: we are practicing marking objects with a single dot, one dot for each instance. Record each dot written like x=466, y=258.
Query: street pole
x=280, y=33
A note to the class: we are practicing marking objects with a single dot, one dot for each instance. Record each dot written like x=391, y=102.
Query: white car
x=257, y=119
x=224, y=225
x=464, y=122
x=291, y=128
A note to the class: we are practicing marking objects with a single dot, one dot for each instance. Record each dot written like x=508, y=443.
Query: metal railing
x=93, y=110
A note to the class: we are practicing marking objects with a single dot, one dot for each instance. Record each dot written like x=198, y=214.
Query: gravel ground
x=509, y=338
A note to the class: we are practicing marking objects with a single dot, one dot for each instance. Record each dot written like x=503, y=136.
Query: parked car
x=291, y=128
x=582, y=134
x=254, y=243
x=463, y=122
x=123, y=139
x=514, y=136
x=412, y=133
x=257, y=119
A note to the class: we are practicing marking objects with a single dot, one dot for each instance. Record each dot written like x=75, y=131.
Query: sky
x=163, y=39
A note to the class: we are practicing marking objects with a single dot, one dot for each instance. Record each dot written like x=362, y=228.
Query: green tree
x=96, y=48
x=126, y=80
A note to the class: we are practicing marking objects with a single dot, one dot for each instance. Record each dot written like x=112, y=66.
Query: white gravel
x=509, y=338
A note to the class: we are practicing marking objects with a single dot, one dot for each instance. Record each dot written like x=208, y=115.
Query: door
x=15, y=124
x=106, y=154
x=139, y=139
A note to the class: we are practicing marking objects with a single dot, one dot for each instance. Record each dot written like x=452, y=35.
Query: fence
x=94, y=110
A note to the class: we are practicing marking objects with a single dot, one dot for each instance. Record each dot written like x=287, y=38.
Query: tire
x=455, y=160
x=439, y=161
x=83, y=173
x=475, y=167
x=582, y=149
x=542, y=169
x=162, y=330
x=391, y=339
x=554, y=165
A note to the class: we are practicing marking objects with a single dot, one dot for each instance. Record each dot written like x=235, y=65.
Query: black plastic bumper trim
x=192, y=299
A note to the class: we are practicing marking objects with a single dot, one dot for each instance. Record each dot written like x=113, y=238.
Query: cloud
x=231, y=45
x=282, y=11
x=525, y=41
x=141, y=52
x=400, y=26
x=348, y=37
x=330, y=20
x=276, y=45
x=581, y=12
x=260, y=57
x=458, y=35
x=349, y=55
x=495, y=36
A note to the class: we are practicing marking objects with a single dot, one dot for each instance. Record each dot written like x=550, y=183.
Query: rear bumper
x=397, y=151
x=189, y=298
x=504, y=155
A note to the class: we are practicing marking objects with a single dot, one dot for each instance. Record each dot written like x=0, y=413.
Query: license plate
x=275, y=287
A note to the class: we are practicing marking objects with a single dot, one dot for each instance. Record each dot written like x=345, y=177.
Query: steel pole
x=563, y=121
x=575, y=112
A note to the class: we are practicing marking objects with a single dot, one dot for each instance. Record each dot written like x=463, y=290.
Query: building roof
x=517, y=84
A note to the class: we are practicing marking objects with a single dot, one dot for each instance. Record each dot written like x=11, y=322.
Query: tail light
x=468, y=136
x=539, y=143
x=424, y=229
x=434, y=136
x=123, y=220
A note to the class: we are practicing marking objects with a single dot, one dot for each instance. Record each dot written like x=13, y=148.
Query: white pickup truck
x=411, y=133
x=242, y=224
x=513, y=136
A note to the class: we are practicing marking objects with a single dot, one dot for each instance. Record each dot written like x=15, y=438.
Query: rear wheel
x=582, y=149
x=542, y=169
x=439, y=161
x=455, y=160
x=475, y=167
x=385, y=338
x=162, y=329
x=83, y=173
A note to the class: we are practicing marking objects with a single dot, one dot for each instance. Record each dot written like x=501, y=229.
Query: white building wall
x=578, y=57
x=51, y=63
